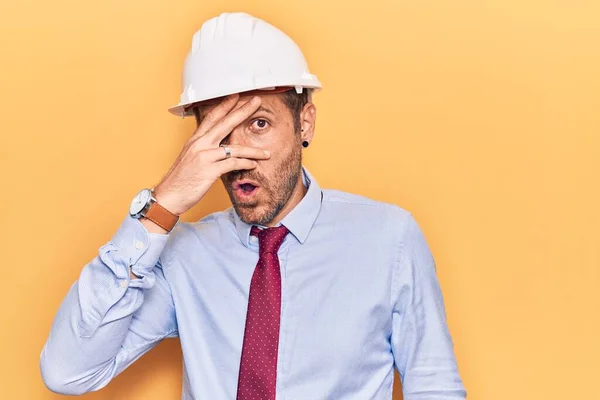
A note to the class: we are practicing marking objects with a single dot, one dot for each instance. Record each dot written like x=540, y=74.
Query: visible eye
x=260, y=124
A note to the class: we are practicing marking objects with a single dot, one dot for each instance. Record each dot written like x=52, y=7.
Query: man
x=295, y=293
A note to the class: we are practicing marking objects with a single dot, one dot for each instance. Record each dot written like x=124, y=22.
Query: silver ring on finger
x=227, y=151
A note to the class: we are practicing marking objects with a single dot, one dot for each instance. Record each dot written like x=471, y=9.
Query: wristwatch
x=144, y=205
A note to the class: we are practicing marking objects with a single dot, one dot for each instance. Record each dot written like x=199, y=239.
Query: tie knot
x=269, y=239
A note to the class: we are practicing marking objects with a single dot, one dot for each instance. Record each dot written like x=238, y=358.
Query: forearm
x=85, y=340
x=83, y=349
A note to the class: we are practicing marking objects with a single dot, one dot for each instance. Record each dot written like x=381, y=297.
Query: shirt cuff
x=137, y=244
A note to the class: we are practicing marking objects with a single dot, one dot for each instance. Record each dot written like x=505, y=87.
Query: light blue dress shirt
x=359, y=296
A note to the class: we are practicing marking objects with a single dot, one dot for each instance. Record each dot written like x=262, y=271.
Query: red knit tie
x=258, y=367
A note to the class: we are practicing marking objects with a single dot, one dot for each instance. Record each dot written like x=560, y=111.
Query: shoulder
x=350, y=202
x=362, y=211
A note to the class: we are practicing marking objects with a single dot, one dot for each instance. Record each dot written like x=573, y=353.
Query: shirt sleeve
x=421, y=343
x=108, y=320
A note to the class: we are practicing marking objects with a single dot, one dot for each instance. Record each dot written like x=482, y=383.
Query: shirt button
x=124, y=283
x=138, y=245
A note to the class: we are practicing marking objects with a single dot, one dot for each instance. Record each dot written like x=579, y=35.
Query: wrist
x=145, y=205
x=170, y=203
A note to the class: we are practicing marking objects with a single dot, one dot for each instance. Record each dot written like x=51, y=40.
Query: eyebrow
x=265, y=109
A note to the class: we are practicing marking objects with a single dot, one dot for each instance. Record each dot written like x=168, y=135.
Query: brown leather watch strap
x=161, y=216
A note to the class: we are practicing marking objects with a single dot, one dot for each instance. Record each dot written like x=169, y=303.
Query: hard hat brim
x=186, y=109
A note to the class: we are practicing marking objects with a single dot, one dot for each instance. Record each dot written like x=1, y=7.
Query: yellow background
x=480, y=117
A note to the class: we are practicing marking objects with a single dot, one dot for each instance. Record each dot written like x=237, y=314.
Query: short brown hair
x=295, y=103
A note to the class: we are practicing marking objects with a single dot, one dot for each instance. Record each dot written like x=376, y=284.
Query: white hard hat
x=236, y=53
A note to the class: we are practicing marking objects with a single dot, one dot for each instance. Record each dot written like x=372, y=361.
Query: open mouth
x=245, y=188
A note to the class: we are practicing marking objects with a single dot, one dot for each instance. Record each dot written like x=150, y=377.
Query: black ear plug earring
x=305, y=144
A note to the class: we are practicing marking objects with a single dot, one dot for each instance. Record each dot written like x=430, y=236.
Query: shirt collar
x=300, y=220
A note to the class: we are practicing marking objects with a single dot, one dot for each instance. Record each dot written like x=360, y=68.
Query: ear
x=308, y=118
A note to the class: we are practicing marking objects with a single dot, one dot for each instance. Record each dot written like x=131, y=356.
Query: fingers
x=233, y=164
x=255, y=153
x=224, y=127
x=216, y=114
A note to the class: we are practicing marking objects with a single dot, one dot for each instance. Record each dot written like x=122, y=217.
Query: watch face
x=139, y=202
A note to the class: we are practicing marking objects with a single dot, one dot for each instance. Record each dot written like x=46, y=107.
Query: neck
x=297, y=195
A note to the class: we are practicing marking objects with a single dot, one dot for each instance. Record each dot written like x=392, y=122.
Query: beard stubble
x=276, y=191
